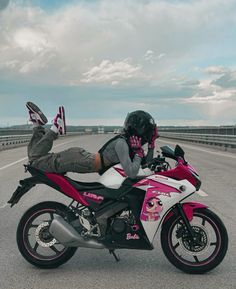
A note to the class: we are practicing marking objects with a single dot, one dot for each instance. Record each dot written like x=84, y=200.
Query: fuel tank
x=115, y=176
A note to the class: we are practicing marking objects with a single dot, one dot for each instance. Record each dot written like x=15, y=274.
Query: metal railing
x=227, y=141
x=11, y=141
x=217, y=130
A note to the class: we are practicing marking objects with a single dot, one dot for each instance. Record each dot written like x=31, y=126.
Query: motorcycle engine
x=122, y=223
x=119, y=225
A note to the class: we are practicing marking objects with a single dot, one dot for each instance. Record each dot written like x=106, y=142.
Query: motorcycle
x=123, y=213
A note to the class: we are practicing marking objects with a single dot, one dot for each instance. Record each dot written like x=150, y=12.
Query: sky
x=101, y=59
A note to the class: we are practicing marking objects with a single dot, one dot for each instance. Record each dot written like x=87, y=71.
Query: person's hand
x=155, y=135
x=136, y=145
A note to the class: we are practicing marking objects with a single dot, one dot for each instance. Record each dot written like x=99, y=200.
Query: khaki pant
x=74, y=159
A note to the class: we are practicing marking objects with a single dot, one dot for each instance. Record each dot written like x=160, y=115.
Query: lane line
x=229, y=155
x=21, y=160
x=4, y=206
x=12, y=164
x=202, y=193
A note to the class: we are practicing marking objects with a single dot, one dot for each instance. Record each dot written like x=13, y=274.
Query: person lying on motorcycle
x=125, y=148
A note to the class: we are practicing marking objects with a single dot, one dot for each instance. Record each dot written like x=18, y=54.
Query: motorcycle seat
x=94, y=187
x=80, y=186
x=85, y=186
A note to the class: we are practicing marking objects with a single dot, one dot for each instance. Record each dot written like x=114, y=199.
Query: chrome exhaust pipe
x=64, y=233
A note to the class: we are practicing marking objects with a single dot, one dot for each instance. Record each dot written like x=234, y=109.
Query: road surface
x=90, y=268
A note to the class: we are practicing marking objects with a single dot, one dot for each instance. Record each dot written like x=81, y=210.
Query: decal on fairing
x=93, y=197
x=153, y=206
x=129, y=236
x=121, y=172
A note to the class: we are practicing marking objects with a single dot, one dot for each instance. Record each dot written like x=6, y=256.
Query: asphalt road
x=90, y=268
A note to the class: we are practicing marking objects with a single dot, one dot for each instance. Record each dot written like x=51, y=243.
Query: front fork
x=186, y=221
x=185, y=211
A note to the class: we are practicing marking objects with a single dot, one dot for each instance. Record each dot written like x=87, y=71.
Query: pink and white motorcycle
x=122, y=213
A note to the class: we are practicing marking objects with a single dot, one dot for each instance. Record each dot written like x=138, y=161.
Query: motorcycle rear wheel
x=199, y=256
x=34, y=241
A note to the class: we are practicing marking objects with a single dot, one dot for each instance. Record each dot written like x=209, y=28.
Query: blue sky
x=102, y=59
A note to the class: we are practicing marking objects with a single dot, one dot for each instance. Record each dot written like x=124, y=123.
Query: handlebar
x=158, y=164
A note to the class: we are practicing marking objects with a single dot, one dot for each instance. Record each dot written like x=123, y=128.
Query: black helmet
x=139, y=123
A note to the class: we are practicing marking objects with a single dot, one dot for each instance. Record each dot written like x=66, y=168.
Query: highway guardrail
x=11, y=141
x=14, y=141
x=226, y=141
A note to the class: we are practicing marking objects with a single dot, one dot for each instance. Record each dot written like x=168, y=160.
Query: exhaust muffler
x=68, y=236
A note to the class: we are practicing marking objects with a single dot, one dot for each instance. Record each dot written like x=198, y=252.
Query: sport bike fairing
x=119, y=212
x=162, y=193
x=115, y=176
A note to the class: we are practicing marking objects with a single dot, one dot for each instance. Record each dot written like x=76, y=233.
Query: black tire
x=217, y=243
x=29, y=251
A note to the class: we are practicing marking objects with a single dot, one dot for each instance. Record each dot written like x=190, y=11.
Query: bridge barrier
x=225, y=142
x=12, y=141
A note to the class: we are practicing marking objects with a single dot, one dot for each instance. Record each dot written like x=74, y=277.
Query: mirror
x=168, y=152
x=179, y=152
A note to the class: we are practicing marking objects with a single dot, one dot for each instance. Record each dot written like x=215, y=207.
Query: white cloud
x=113, y=43
x=149, y=55
x=216, y=69
x=32, y=41
x=214, y=97
x=25, y=46
x=161, y=55
x=113, y=72
x=112, y=30
x=152, y=57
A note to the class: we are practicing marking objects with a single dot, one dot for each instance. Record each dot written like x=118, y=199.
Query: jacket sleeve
x=149, y=155
x=130, y=167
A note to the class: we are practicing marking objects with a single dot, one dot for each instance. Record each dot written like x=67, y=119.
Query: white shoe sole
x=36, y=110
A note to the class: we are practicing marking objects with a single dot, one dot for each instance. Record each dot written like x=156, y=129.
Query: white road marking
x=202, y=193
x=21, y=160
x=4, y=206
x=228, y=155
x=62, y=144
x=12, y=164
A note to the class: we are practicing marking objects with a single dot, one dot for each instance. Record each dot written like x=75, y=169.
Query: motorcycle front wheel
x=199, y=254
x=34, y=241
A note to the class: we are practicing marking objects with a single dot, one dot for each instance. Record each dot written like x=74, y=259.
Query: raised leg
x=41, y=142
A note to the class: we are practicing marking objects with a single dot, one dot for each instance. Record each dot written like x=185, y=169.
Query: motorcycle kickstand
x=117, y=258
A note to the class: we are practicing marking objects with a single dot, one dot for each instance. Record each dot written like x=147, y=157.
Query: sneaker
x=59, y=121
x=36, y=115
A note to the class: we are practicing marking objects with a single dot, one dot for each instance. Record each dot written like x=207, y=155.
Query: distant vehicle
x=88, y=130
